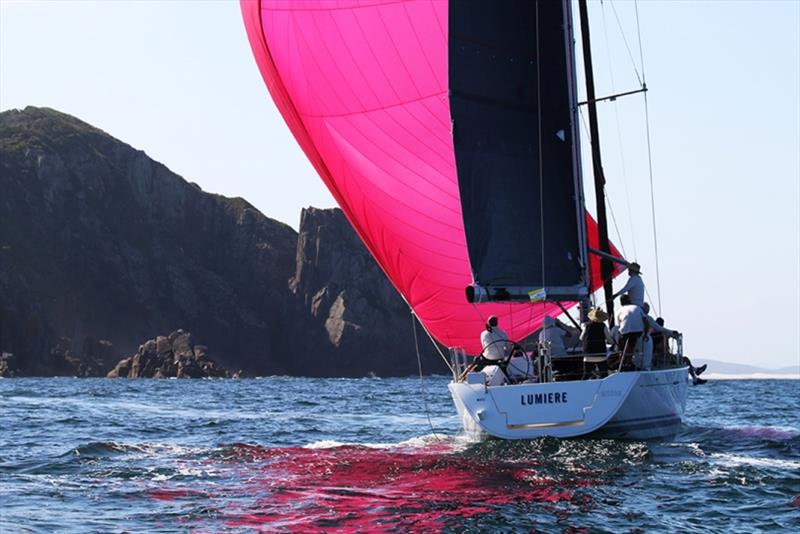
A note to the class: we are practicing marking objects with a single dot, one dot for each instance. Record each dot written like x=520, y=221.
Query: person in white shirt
x=634, y=288
x=494, y=341
x=632, y=321
x=614, y=331
x=556, y=333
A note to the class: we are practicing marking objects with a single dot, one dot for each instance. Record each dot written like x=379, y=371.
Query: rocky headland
x=101, y=247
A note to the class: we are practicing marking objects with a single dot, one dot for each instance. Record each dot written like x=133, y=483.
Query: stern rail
x=458, y=362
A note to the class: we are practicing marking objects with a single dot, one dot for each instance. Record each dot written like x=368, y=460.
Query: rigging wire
x=422, y=388
x=430, y=336
x=639, y=36
x=620, y=241
x=541, y=171
x=649, y=162
x=619, y=140
x=614, y=220
x=652, y=202
x=625, y=40
x=643, y=83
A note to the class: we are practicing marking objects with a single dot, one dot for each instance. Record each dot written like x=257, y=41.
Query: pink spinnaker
x=362, y=84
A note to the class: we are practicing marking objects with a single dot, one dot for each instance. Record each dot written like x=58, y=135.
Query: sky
x=177, y=79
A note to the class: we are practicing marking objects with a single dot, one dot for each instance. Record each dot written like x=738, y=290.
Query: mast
x=606, y=267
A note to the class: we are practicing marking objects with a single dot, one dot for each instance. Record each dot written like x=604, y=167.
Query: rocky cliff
x=349, y=306
x=100, y=242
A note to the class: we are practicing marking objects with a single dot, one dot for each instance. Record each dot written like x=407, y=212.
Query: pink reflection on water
x=357, y=488
x=170, y=495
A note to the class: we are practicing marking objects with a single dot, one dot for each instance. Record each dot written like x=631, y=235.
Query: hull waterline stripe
x=531, y=426
x=617, y=426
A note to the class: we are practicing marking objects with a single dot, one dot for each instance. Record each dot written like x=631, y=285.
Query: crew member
x=632, y=321
x=494, y=341
x=556, y=333
x=595, y=333
x=634, y=288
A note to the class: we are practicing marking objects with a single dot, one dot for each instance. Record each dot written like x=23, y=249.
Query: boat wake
x=765, y=439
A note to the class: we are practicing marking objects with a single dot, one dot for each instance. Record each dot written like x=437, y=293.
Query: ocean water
x=309, y=455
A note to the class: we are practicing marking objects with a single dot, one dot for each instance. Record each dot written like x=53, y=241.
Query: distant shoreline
x=709, y=376
x=753, y=376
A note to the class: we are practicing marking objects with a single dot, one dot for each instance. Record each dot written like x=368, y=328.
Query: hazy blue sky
x=177, y=79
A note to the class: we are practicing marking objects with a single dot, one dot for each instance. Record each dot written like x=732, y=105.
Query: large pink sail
x=362, y=84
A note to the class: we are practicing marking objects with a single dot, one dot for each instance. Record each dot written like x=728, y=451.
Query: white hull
x=631, y=405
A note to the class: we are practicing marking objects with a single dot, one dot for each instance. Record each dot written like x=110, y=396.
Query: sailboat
x=448, y=134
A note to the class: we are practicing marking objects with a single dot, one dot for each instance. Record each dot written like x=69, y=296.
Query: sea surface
x=376, y=455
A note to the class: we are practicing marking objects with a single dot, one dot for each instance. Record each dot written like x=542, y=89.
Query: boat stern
x=525, y=411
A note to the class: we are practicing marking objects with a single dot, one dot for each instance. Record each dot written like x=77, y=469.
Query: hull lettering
x=556, y=397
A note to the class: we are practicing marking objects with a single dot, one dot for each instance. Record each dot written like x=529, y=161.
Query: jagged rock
x=8, y=368
x=169, y=356
x=163, y=345
x=122, y=368
x=182, y=345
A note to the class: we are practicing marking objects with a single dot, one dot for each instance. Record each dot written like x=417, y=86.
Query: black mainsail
x=514, y=113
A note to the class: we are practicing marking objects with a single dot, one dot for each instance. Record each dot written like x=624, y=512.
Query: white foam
x=331, y=444
x=324, y=444
x=729, y=459
x=417, y=442
x=429, y=439
x=768, y=432
x=150, y=449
